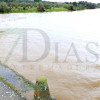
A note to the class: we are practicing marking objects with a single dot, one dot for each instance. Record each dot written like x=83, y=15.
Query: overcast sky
x=95, y=1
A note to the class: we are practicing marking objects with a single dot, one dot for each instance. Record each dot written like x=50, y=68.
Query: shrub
x=90, y=6
x=66, y=6
x=4, y=7
x=47, y=6
x=40, y=7
x=69, y=7
x=23, y=5
x=37, y=0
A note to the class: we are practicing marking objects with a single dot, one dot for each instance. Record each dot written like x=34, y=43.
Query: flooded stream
x=63, y=46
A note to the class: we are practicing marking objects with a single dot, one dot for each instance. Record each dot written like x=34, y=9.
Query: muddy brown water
x=72, y=62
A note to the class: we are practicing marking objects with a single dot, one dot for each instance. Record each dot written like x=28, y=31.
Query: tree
x=41, y=7
x=4, y=7
x=37, y=0
x=90, y=6
x=75, y=3
x=71, y=8
x=47, y=5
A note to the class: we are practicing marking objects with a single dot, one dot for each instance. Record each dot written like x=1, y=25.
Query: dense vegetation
x=7, y=6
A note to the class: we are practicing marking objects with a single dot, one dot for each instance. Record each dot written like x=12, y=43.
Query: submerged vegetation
x=10, y=6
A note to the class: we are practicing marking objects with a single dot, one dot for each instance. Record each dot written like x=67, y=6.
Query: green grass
x=53, y=9
x=34, y=9
x=56, y=9
x=20, y=10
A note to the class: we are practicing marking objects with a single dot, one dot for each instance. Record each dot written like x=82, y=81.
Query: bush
x=4, y=7
x=98, y=5
x=90, y=6
x=66, y=6
x=47, y=6
x=23, y=5
x=37, y=0
x=69, y=7
x=40, y=7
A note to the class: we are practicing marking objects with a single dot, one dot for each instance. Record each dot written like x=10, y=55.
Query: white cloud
x=95, y=1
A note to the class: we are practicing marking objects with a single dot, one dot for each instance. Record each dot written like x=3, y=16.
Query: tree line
x=40, y=6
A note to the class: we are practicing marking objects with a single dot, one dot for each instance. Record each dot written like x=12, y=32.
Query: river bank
x=25, y=7
x=34, y=10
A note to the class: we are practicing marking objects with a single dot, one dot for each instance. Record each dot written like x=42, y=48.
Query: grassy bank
x=14, y=10
x=25, y=7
